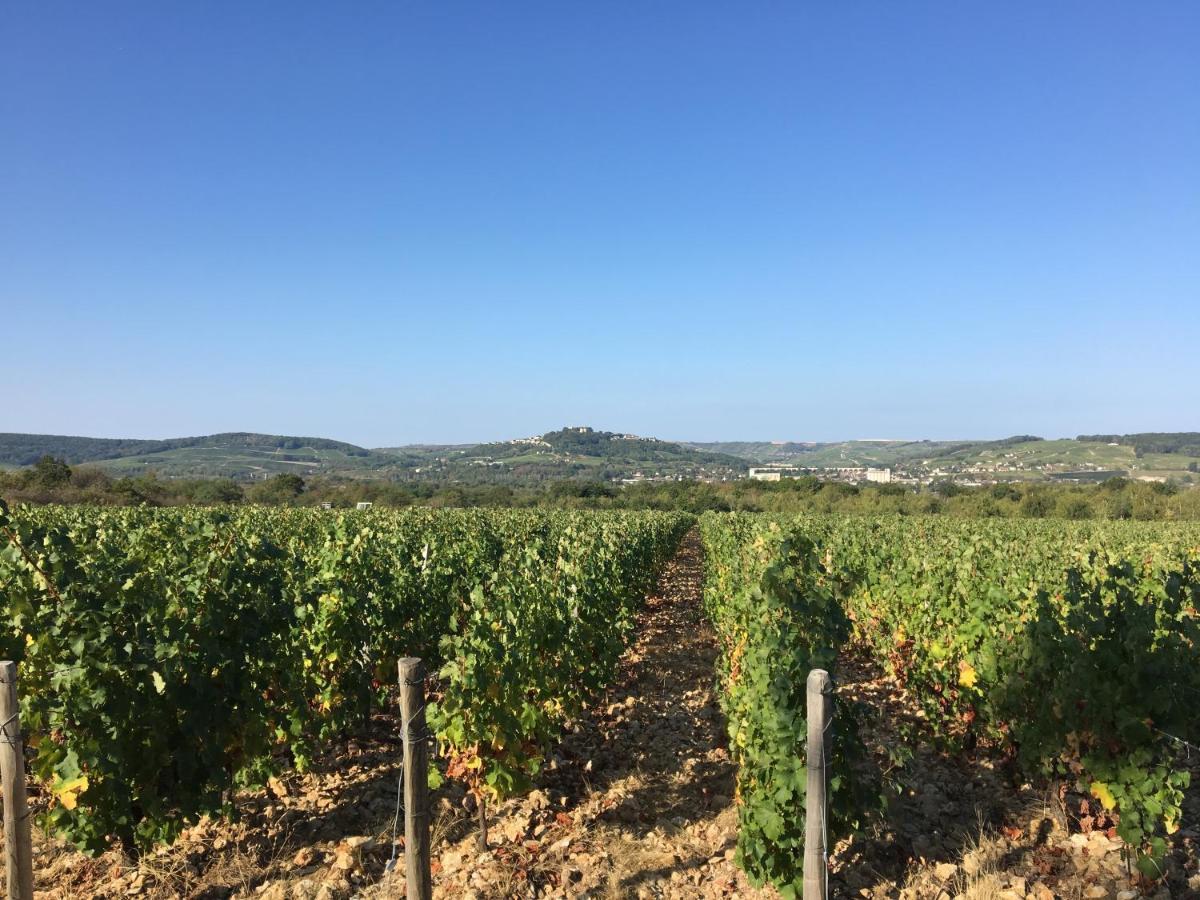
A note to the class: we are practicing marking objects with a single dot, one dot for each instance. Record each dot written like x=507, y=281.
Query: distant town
x=583, y=453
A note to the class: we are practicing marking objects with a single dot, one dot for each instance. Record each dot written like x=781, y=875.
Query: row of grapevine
x=541, y=635
x=168, y=656
x=1072, y=649
x=769, y=597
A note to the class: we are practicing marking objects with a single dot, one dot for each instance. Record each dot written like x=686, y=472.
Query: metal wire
x=5, y=738
x=391, y=863
x=57, y=672
x=825, y=778
x=1190, y=746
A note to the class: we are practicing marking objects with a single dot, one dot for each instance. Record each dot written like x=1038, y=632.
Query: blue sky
x=403, y=222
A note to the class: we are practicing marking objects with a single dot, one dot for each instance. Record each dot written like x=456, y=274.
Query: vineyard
x=171, y=659
x=168, y=657
x=1073, y=650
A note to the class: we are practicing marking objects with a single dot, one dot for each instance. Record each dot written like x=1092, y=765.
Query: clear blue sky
x=403, y=222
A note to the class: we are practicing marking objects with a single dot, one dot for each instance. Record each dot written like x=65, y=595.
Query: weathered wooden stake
x=416, y=779
x=820, y=693
x=18, y=848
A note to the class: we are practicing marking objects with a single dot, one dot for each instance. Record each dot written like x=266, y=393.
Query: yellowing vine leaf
x=1101, y=792
x=68, y=792
x=967, y=676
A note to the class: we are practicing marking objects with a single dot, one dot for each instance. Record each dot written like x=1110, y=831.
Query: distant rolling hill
x=235, y=454
x=26, y=449
x=607, y=445
x=584, y=453
x=575, y=453
x=857, y=453
x=568, y=453
x=835, y=453
x=1184, y=443
x=1024, y=456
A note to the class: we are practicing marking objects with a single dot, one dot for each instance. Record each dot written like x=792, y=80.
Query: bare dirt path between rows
x=637, y=801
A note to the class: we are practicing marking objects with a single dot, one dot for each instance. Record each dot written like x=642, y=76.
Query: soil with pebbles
x=964, y=826
x=638, y=799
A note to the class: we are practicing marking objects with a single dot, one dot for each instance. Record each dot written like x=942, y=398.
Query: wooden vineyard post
x=819, y=702
x=18, y=849
x=416, y=779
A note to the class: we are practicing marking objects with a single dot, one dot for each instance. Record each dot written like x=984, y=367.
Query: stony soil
x=961, y=826
x=637, y=802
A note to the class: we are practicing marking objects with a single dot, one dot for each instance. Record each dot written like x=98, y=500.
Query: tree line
x=52, y=480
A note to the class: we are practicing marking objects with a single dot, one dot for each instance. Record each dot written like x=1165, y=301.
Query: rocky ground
x=637, y=802
x=959, y=826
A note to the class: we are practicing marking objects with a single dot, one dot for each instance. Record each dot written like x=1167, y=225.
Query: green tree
x=946, y=488
x=1037, y=505
x=1005, y=491
x=282, y=488
x=1120, y=506
x=216, y=490
x=1074, y=507
x=50, y=472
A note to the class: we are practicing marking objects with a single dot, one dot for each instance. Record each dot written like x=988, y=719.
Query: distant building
x=363, y=504
x=852, y=474
x=771, y=474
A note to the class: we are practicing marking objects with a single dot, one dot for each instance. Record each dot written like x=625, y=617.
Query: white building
x=852, y=474
x=772, y=474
